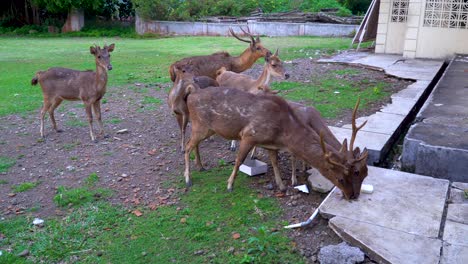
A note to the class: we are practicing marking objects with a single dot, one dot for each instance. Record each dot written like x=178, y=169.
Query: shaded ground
x=142, y=165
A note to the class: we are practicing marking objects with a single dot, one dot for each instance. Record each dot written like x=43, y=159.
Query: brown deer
x=269, y=122
x=273, y=68
x=60, y=84
x=178, y=95
x=209, y=64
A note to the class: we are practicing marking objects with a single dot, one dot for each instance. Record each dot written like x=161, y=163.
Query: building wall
x=422, y=28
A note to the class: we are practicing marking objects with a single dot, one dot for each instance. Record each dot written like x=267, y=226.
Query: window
x=446, y=14
x=399, y=11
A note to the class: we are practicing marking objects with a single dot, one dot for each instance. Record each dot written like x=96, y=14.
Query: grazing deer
x=269, y=122
x=60, y=84
x=273, y=67
x=209, y=64
x=178, y=95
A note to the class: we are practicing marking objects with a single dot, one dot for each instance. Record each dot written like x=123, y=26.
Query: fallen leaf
x=137, y=213
x=236, y=235
x=183, y=220
x=153, y=206
x=11, y=194
x=152, y=152
x=280, y=194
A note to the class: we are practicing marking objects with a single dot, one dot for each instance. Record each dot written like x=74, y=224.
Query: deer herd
x=211, y=92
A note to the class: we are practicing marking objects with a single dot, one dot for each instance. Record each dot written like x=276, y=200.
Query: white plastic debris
x=70, y=168
x=367, y=188
x=336, y=92
x=38, y=222
x=1, y=253
x=303, y=188
x=438, y=104
x=122, y=131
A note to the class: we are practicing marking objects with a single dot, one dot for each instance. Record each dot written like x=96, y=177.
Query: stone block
x=454, y=254
x=318, y=182
x=340, y=254
x=383, y=123
x=456, y=225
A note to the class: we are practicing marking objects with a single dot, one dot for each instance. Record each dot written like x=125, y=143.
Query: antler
x=353, y=123
x=234, y=35
x=327, y=153
x=248, y=34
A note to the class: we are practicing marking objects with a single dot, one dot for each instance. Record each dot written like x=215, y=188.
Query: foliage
x=24, y=186
x=62, y=6
x=6, y=163
x=79, y=196
x=194, y=9
x=358, y=7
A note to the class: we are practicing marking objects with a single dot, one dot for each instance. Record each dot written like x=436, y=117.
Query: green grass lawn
x=209, y=225
x=134, y=60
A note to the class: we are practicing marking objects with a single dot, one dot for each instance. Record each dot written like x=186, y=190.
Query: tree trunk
x=75, y=20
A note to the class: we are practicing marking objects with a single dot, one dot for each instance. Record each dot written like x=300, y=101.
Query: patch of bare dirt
x=140, y=165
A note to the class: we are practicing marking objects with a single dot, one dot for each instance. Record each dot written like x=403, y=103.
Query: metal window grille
x=446, y=14
x=399, y=11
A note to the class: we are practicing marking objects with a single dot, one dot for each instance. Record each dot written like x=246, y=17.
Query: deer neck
x=264, y=78
x=243, y=61
x=101, y=77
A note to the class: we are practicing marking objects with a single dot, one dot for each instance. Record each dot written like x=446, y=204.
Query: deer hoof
x=59, y=130
x=188, y=184
x=232, y=149
x=106, y=136
x=230, y=189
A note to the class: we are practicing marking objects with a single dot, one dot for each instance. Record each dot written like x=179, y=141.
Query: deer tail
x=172, y=72
x=35, y=80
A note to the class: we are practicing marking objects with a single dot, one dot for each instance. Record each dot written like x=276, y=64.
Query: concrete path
x=403, y=221
x=384, y=127
x=438, y=144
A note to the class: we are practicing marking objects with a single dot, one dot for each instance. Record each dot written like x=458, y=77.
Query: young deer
x=60, y=84
x=269, y=122
x=177, y=99
x=209, y=64
x=273, y=67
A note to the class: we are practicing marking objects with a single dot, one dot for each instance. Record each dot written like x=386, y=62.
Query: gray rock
x=340, y=254
x=319, y=183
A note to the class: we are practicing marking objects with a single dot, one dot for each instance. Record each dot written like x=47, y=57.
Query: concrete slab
x=413, y=91
x=386, y=245
x=454, y=254
x=375, y=142
x=399, y=106
x=401, y=201
x=383, y=123
x=438, y=145
x=456, y=225
x=457, y=193
x=318, y=182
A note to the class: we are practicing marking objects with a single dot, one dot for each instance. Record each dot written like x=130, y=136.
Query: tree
x=74, y=8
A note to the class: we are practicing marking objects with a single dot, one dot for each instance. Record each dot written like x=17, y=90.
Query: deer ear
x=277, y=52
x=111, y=48
x=257, y=39
x=93, y=50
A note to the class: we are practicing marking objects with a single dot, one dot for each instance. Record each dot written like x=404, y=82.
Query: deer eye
x=258, y=48
x=99, y=56
x=274, y=65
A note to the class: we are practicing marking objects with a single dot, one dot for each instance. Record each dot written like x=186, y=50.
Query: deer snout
x=286, y=76
x=109, y=67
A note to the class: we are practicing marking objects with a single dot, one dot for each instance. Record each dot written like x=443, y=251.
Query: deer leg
x=244, y=149
x=198, y=159
x=179, y=119
x=52, y=108
x=195, y=139
x=89, y=113
x=293, y=170
x=252, y=154
x=97, y=112
x=233, y=145
x=44, y=109
x=274, y=163
x=184, y=127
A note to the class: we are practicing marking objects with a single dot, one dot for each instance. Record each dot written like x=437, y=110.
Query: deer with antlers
x=269, y=122
x=208, y=65
x=60, y=84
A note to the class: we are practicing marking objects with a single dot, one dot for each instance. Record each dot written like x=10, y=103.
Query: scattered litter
x=303, y=188
x=116, y=138
x=23, y=253
x=287, y=62
x=367, y=188
x=1, y=253
x=438, y=104
x=38, y=222
x=15, y=95
x=138, y=84
x=70, y=168
x=336, y=92
x=122, y=131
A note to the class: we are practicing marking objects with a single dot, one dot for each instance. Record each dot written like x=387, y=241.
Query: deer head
x=102, y=56
x=275, y=66
x=256, y=47
x=348, y=165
